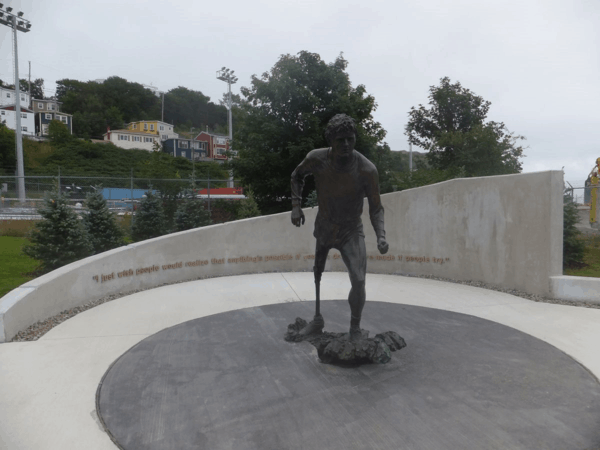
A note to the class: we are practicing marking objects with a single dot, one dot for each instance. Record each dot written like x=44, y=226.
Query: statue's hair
x=339, y=124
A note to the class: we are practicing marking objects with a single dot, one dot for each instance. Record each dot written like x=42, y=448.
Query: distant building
x=156, y=127
x=217, y=145
x=9, y=118
x=132, y=139
x=187, y=148
x=7, y=97
x=45, y=112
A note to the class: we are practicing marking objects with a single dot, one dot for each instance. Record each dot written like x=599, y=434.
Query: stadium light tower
x=227, y=76
x=17, y=23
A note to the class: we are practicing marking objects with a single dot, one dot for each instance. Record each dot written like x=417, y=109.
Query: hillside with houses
x=125, y=114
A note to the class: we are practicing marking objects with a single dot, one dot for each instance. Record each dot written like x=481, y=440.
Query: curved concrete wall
x=504, y=230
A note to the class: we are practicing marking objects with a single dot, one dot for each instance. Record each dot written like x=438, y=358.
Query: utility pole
x=16, y=22
x=227, y=76
x=192, y=153
x=410, y=157
x=162, y=111
x=30, y=101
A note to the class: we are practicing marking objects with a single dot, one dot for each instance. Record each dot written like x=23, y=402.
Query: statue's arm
x=298, y=175
x=376, y=210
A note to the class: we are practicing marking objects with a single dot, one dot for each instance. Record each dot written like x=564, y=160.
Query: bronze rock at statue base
x=339, y=349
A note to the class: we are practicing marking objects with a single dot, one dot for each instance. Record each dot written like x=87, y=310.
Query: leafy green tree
x=60, y=237
x=248, y=207
x=573, y=246
x=423, y=176
x=236, y=100
x=187, y=108
x=37, y=87
x=101, y=225
x=283, y=116
x=8, y=160
x=58, y=133
x=454, y=132
x=149, y=219
x=191, y=214
x=96, y=106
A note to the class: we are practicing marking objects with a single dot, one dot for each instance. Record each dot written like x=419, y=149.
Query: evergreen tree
x=312, y=200
x=101, y=224
x=60, y=237
x=149, y=219
x=248, y=207
x=191, y=214
x=573, y=246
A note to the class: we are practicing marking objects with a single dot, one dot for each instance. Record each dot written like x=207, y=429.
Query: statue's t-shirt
x=340, y=194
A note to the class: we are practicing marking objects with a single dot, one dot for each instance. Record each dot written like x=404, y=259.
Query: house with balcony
x=45, y=112
x=155, y=127
x=8, y=116
x=187, y=148
x=132, y=139
x=217, y=145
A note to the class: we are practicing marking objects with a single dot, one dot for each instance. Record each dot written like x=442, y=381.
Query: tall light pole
x=16, y=22
x=227, y=76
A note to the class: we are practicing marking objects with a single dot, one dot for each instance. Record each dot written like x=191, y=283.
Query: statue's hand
x=297, y=216
x=382, y=245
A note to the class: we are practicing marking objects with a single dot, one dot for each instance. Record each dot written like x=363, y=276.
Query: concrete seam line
x=291, y=287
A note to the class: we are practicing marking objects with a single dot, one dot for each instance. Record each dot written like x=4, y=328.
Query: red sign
x=223, y=191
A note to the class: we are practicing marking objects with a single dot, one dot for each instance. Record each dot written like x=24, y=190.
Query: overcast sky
x=537, y=61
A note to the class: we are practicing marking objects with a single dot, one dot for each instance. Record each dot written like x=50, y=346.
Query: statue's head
x=340, y=123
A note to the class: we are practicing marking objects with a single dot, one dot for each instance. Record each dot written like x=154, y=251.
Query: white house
x=132, y=139
x=7, y=97
x=8, y=116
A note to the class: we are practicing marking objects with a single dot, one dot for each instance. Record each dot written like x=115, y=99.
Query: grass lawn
x=14, y=265
x=591, y=258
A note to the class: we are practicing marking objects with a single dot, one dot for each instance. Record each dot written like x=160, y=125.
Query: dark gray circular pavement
x=230, y=381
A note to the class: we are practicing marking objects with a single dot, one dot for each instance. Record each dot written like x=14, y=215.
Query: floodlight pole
x=16, y=22
x=227, y=76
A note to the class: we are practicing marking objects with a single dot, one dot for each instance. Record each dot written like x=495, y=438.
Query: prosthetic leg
x=318, y=323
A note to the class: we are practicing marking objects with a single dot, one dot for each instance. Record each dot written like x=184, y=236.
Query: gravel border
x=38, y=329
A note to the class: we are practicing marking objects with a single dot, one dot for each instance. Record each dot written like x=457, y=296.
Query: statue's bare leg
x=318, y=323
x=354, y=255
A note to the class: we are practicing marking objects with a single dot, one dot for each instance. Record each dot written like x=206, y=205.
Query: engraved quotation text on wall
x=150, y=269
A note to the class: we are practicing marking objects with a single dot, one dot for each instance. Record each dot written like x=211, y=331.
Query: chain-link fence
x=122, y=194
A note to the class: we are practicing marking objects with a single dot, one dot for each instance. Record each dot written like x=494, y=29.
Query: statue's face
x=342, y=144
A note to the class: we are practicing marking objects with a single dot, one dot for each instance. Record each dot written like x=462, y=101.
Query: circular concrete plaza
x=230, y=381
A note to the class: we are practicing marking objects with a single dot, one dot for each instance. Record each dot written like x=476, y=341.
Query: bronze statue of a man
x=343, y=178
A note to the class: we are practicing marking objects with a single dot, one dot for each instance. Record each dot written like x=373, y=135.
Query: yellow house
x=155, y=127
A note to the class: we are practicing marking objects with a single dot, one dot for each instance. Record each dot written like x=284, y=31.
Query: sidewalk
x=48, y=387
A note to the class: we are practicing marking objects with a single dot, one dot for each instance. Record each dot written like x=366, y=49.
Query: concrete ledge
x=503, y=230
x=576, y=288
